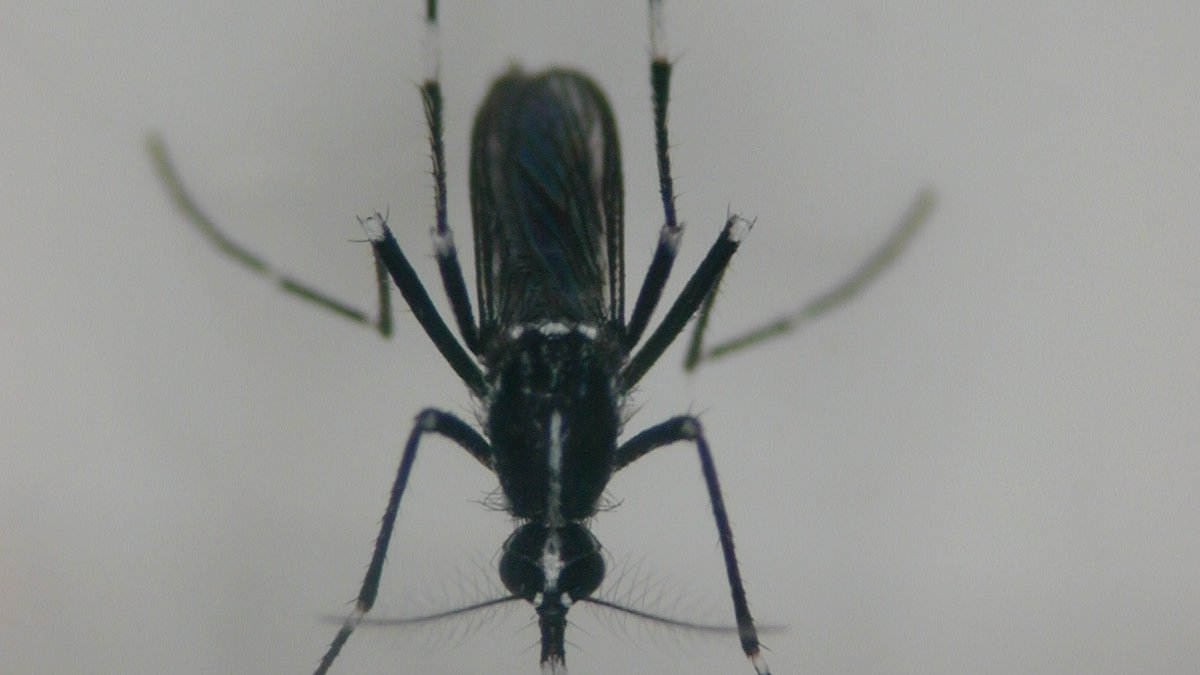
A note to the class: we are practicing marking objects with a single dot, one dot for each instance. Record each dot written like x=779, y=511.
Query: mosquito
x=551, y=356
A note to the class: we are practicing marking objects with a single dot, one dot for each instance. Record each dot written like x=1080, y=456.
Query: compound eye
x=521, y=565
x=556, y=561
x=584, y=566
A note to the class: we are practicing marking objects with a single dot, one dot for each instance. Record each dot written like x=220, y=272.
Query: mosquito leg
x=839, y=294
x=672, y=231
x=428, y=421
x=414, y=293
x=692, y=357
x=192, y=212
x=698, y=287
x=443, y=237
x=687, y=428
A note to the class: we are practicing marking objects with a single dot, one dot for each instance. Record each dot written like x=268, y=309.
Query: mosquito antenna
x=426, y=619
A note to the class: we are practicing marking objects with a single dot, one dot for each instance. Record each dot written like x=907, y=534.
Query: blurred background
x=986, y=464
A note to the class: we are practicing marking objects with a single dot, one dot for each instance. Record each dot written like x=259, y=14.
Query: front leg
x=428, y=421
x=687, y=428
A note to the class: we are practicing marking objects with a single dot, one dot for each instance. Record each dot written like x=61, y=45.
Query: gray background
x=986, y=464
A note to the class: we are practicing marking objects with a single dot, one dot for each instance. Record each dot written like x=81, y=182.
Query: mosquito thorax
x=553, y=415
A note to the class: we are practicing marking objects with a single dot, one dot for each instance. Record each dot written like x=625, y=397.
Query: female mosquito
x=551, y=356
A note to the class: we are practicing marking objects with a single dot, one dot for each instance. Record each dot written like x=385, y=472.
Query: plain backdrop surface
x=986, y=464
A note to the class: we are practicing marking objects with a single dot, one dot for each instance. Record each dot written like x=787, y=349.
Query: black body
x=552, y=339
x=551, y=356
x=546, y=196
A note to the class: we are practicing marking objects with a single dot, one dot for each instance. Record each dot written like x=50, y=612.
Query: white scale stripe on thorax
x=554, y=517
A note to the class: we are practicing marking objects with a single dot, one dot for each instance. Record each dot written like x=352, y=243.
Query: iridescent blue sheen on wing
x=547, y=202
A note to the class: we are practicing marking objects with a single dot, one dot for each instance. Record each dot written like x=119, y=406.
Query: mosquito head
x=552, y=568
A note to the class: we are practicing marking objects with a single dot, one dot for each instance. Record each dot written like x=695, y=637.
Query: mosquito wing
x=547, y=202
